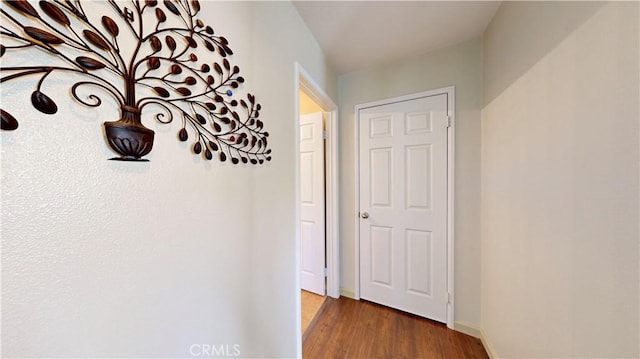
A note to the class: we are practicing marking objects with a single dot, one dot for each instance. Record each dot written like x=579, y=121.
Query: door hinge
x=324, y=135
x=325, y=272
x=448, y=121
x=448, y=298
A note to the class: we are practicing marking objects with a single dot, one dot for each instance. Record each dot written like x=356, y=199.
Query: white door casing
x=312, y=206
x=403, y=241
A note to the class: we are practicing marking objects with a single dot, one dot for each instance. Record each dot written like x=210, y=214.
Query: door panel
x=403, y=189
x=381, y=171
x=381, y=255
x=312, y=206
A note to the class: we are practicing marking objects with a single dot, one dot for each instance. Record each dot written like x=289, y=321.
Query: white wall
x=105, y=258
x=560, y=180
x=457, y=65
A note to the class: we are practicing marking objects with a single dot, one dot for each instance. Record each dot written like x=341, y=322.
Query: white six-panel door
x=312, y=207
x=403, y=205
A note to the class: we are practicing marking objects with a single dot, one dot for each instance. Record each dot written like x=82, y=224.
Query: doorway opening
x=312, y=208
x=308, y=90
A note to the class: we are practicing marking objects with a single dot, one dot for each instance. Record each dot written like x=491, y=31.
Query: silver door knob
x=364, y=215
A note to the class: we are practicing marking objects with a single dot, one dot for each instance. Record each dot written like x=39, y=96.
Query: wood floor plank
x=346, y=328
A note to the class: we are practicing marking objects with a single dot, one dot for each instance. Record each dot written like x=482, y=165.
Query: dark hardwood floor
x=346, y=328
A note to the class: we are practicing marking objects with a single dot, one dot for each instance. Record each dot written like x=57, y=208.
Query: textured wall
x=560, y=180
x=457, y=65
x=104, y=258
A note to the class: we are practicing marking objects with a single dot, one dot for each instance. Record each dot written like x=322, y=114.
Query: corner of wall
x=487, y=345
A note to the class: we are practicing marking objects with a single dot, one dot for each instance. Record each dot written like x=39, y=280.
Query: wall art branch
x=148, y=56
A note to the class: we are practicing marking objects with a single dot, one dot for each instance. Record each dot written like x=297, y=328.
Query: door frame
x=450, y=92
x=304, y=82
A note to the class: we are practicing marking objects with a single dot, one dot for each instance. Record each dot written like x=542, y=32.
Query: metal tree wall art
x=143, y=54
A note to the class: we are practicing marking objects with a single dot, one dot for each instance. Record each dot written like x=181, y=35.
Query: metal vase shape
x=128, y=137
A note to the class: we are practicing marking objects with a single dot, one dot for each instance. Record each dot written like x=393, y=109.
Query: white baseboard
x=347, y=293
x=466, y=329
x=487, y=345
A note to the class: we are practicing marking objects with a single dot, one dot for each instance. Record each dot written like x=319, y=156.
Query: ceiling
x=359, y=34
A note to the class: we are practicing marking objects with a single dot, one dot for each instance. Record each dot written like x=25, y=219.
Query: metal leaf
x=197, y=148
x=160, y=15
x=209, y=30
x=161, y=91
x=196, y=6
x=217, y=67
x=213, y=145
x=205, y=68
x=55, y=13
x=176, y=69
x=23, y=7
x=128, y=14
x=171, y=42
x=217, y=127
x=192, y=43
x=42, y=36
x=226, y=64
x=110, y=25
x=222, y=157
x=209, y=46
x=183, y=135
x=89, y=63
x=190, y=80
x=9, y=123
x=208, y=155
x=95, y=39
x=211, y=106
x=151, y=3
x=156, y=45
x=184, y=91
x=43, y=103
x=153, y=63
x=201, y=119
x=2, y=50
x=169, y=5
